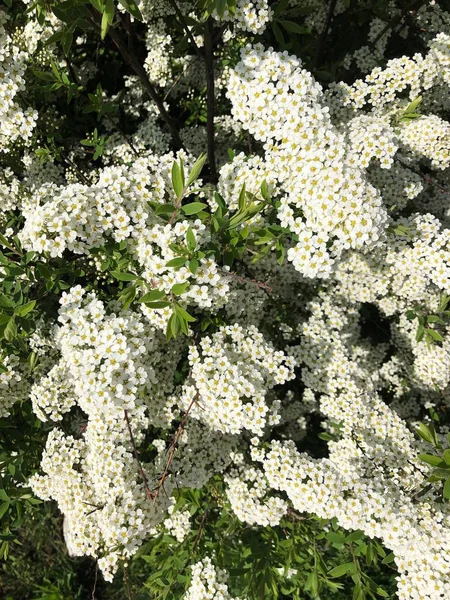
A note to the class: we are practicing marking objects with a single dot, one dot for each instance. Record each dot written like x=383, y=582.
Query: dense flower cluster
x=231, y=374
x=16, y=122
x=319, y=331
x=208, y=582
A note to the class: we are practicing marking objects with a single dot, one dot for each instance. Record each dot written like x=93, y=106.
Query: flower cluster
x=251, y=16
x=208, y=582
x=16, y=122
x=231, y=374
x=326, y=199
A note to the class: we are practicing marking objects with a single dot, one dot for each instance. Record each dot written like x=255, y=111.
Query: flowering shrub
x=225, y=297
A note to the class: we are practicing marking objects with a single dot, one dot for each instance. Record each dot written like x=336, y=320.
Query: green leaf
x=177, y=180
x=155, y=305
x=163, y=209
x=177, y=262
x=132, y=8
x=127, y=296
x=196, y=169
x=152, y=296
x=388, y=559
x=193, y=208
x=66, y=41
x=335, y=537
x=428, y=433
x=107, y=17
x=23, y=310
x=431, y=459
x=221, y=6
x=6, y=302
x=193, y=266
x=446, y=456
x=446, y=491
x=432, y=333
x=242, y=199
x=180, y=288
x=175, y=325
x=10, y=331
x=343, y=569
x=124, y=276
x=3, y=508
x=413, y=105
x=190, y=240
x=184, y=314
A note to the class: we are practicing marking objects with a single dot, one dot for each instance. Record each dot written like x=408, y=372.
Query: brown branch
x=95, y=580
x=200, y=530
x=241, y=279
x=127, y=583
x=136, y=66
x=185, y=27
x=210, y=97
x=173, y=448
x=148, y=491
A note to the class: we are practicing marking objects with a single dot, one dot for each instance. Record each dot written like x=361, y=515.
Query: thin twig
x=95, y=580
x=178, y=79
x=185, y=27
x=127, y=583
x=173, y=448
x=241, y=279
x=148, y=491
x=200, y=530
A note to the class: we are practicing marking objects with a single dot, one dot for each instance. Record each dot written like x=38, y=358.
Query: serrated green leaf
x=427, y=433
x=335, y=537
x=293, y=27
